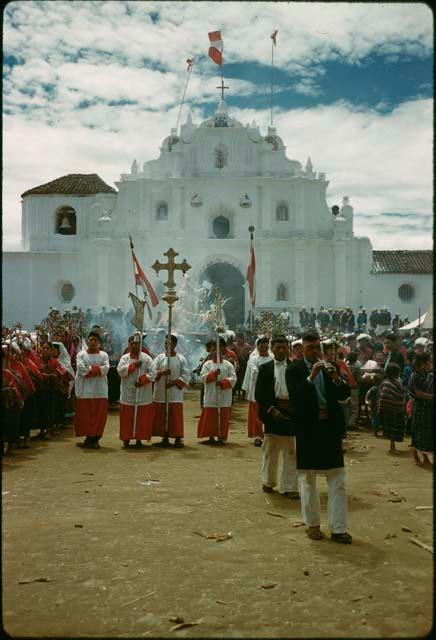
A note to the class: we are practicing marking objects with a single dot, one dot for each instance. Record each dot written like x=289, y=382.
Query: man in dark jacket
x=315, y=389
x=275, y=410
x=393, y=354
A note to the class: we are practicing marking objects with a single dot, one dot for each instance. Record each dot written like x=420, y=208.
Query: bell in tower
x=65, y=224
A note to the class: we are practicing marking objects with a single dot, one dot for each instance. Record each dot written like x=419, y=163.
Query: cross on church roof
x=222, y=87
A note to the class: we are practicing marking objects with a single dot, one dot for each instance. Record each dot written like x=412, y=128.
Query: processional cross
x=171, y=266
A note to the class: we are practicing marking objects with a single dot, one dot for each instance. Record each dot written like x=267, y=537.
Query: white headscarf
x=64, y=358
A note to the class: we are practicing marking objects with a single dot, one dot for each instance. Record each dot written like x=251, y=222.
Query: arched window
x=221, y=156
x=406, y=292
x=67, y=292
x=282, y=292
x=65, y=221
x=221, y=227
x=162, y=211
x=282, y=212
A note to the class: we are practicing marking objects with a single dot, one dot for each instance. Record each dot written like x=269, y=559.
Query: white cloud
x=383, y=162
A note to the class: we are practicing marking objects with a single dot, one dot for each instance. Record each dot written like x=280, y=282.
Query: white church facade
x=211, y=182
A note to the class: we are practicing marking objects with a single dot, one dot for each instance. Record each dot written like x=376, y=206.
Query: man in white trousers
x=275, y=411
x=315, y=389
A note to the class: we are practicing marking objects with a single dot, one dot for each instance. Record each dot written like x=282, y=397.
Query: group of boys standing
x=151, y=400
x=147, y=387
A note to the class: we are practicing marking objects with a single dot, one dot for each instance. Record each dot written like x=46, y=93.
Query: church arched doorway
x=230, y=280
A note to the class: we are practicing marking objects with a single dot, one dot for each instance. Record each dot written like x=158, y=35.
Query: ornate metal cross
x=171, y=266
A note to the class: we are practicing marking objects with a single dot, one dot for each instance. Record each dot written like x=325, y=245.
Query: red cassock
x=216, y=393
x=255, y=426
x=144, y=417
x=91, y=393
x=130, y=395
x=208, y=423
x=179, y=376
x=175, y=419
x=90, y=416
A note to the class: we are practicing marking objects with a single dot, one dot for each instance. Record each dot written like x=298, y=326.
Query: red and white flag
x=251, y=272
x=142, y=280
x=190, y=62
x=274, y=36
x=216, y=47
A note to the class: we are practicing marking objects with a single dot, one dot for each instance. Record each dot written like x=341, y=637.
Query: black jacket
x=397, y=357
x=265, y=396
x=319, y=443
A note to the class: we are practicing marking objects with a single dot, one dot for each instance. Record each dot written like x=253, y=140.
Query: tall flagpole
x=251, y=231
x=272, y=77
x=222, y=67
x=273, y=44
x=191, y=64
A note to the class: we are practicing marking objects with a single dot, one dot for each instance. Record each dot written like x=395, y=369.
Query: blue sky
x=353, y=90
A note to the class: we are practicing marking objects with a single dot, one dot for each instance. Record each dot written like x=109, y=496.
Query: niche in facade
x=282, y=212
x=282, y=292
x=65, y=221
x=162, y=211
x=221, y=227
x=221, y=156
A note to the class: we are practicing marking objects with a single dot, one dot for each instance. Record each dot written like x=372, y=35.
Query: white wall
x=32, y=282
x=382, y=290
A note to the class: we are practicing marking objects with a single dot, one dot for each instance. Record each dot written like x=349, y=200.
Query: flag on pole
x=190, y=62
x=216, y=47
x=141, y=279
x=274, y=36
x=251, y=271
x=138, y=305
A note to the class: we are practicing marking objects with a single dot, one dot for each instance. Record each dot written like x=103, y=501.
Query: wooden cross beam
x=171, y=266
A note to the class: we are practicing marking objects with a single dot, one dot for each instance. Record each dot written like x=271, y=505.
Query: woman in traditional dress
x=421, y=390
x=391, y=405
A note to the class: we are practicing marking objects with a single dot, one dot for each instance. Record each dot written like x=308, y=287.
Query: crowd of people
x=346, y=320
x=304, y=392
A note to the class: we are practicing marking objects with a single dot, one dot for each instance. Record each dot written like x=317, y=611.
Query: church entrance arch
x=230, y=280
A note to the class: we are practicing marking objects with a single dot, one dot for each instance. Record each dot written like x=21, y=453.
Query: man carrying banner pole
x=136, y=420
x=219, y=377
x=148, y=291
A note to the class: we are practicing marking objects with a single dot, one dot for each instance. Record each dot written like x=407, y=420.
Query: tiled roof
x=402, y=261
x=80, y=184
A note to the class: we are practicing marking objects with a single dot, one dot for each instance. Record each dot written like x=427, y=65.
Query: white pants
x=337, y=499
x=272, y=447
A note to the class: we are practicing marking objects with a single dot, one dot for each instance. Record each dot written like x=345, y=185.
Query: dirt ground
x=122, y=556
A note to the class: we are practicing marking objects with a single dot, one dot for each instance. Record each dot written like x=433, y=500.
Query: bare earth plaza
x=123, y=556
x=217, y=369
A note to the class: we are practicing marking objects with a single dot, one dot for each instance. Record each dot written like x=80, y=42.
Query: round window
x=406, y=292
x=67, y=292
